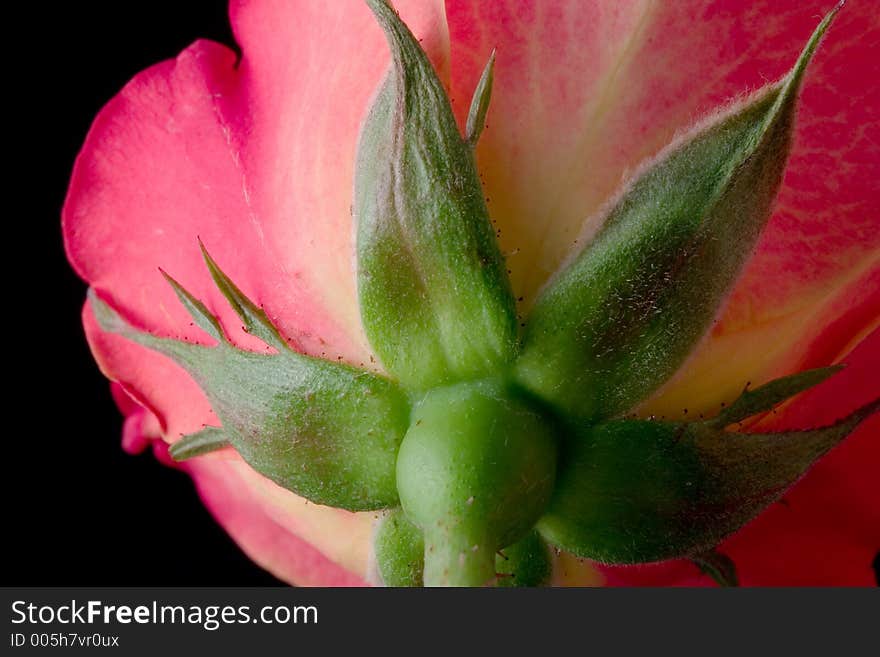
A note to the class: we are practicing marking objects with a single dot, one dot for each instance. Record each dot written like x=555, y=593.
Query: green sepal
x=635, y=491
x=476, y=119
x=435, y=301
x=620, y=319
x=525, y=563
x=326, y=431
x=759, y=400
x=255, y=320
x=718, y=566
x=208, y=440
x=203, y=317
x=399, y=549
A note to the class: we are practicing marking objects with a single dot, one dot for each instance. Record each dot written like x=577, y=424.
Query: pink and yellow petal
x=297, y=541
x=815, y=330
x=554, y=72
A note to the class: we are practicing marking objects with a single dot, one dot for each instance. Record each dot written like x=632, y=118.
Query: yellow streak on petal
x=568, y=570
x=558, y=227
x=755, y=352
x=342, y=536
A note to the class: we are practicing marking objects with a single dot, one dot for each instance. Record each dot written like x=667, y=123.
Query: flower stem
x=458, y=561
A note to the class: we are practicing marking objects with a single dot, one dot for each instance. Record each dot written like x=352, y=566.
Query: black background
x=77, y=509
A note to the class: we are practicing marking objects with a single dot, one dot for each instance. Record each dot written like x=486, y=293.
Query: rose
x=191, y=148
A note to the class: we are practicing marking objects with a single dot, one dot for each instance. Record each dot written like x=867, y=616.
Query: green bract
x=481, y=446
